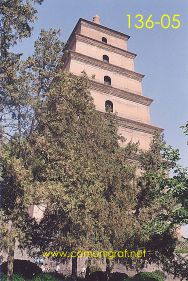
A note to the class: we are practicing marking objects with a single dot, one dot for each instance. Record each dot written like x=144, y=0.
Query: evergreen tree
x=16, y=18
x=161, y=205
x=75, y=161
x=67, y=156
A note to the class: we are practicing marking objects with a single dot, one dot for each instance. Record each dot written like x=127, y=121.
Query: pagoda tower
x=103, y=54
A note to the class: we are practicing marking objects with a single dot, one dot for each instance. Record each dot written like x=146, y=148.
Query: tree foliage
x=16, y=18
x=78, y=169
x=64, y=154
x=163, y=184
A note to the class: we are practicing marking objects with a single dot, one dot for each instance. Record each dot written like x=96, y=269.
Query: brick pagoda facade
x=103, y=54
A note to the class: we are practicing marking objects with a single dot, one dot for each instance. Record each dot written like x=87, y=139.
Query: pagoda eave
x=103, y=65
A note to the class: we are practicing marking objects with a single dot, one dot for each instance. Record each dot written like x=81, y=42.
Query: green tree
x=161, y=204
x=13, y=213
x=94, y=199
x=16, y=18
x=67, y=156
x=32, y=79
x=76, y=160
x=73, y=163
x=39, y=70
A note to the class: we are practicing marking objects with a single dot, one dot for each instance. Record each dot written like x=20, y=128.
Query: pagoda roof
x=98, y=26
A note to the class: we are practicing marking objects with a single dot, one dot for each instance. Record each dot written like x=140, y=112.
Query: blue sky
x=162, y=54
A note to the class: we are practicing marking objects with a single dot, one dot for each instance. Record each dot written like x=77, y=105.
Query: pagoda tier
x=103, y=54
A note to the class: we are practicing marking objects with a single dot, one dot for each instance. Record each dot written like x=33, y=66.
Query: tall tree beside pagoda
x=75, y=161
x=15, y=24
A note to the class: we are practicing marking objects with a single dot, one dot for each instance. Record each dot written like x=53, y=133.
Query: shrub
x=101, y=276
x=148, y=276
x=45, y=277
x=16, y=277
x=160, y=273
x=97, y=276
x=116, y=276
x=23, y=268
x=77, y=279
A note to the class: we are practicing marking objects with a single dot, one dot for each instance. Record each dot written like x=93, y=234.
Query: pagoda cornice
x=98, y=27
x=107, y=66
x=102, y=45
x=125, y=94
x=138, y=126
x=105, y=29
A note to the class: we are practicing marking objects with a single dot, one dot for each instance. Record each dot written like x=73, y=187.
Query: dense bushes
x=148, y=276
x=16, y=277
x=160, y=273
x=101, y=276
x=24, y=268
x=39, y=277
x=45, y=277
x=116, y=276
x=95, y=276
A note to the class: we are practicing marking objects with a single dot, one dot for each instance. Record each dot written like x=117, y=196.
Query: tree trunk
x=88, y=271
x=10, y=251
x=74, y=269
x=108, y=269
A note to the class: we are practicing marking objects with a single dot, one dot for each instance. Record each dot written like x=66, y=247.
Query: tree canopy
x=62, y=153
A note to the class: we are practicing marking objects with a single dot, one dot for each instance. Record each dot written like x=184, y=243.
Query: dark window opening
x=104, y=40
x=107, y=80
x=108, y=106
x=105, y=58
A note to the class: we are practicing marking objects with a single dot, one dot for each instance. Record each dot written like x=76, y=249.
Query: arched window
x=107, y=80
x=105, y=58
x=104, y=40
x=108, y=106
